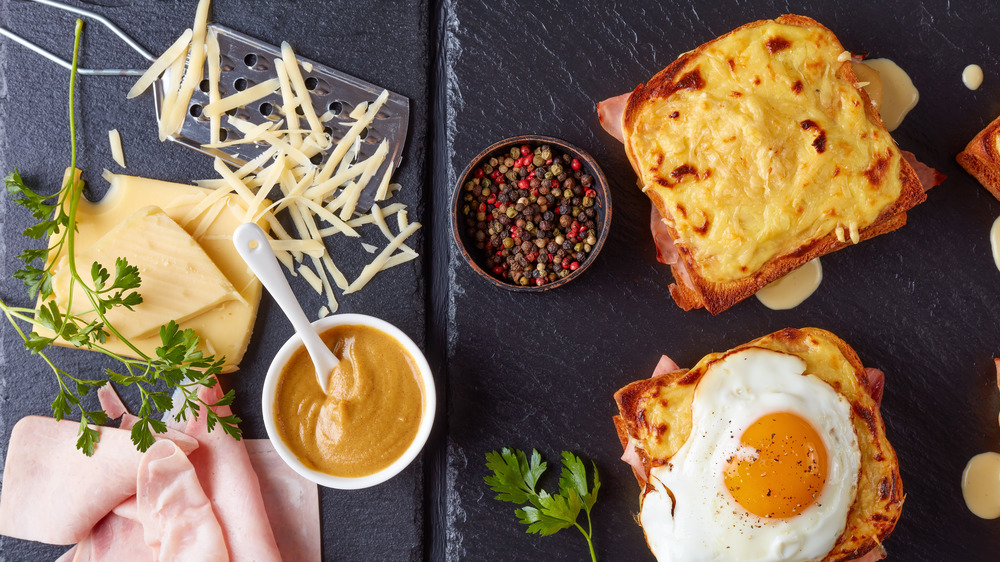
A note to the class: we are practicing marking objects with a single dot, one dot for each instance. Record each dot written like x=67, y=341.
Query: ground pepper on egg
x=532, y=212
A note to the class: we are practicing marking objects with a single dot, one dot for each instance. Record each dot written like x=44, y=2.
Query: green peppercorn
x=511, y=212
x=587, y=202
x=515, y=152
x=537, y=160
x=556, y=168
x=487, y=191
x=523, y=281
x=508, y=242
x=591, y=240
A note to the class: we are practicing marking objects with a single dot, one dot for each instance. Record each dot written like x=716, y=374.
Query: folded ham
x=194, y=495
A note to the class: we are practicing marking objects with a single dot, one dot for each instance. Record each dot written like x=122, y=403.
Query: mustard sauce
x=368, y=430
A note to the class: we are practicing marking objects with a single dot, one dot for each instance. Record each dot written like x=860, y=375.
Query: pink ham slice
x=875, y=384
x=44, y=469
x=291, y=501
x=664, y=366
x=176, y=515
x=220, y=462
x=610, y=112
x=666, y=252
x=113, y=539
x=111, y=402
x=929, y=177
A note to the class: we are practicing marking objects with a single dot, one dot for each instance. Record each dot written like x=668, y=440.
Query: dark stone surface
x=539, y=370
x=385, y=522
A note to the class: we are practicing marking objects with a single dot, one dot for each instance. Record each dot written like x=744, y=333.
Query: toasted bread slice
x=655, y=419
x=761, y=152
x=981, y=157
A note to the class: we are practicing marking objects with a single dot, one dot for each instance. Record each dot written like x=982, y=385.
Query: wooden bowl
x=476, y=257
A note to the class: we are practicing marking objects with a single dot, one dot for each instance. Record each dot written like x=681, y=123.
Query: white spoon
x=254, y=248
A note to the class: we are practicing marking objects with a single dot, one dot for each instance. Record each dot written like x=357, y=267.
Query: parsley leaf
x=515, y=479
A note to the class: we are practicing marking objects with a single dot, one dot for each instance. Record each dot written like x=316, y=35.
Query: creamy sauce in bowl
x=372, y=434
x=367, y=431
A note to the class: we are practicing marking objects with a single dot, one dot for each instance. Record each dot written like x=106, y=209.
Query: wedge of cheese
x=179, y=280
x=190, y=269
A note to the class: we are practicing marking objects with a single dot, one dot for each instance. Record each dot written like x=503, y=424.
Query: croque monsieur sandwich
x=759, y=151
x=774, y=450
x=981, y=157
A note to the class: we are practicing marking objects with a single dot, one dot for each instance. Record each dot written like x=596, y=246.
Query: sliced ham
x=610, y=112
x=177, y=518
x=44, y=469
x=291, y=501
x=183, y=440
x=666, y=252
x=929, y=177
x=113, y=539
x=664, y=366
x=111, y=402
x=220, y=461
x=875, y=384
x=631, y=457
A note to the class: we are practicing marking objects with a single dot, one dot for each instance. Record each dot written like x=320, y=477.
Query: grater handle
x=85, y=71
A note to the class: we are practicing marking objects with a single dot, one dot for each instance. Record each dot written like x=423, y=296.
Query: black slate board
x=538, y=371
x=385, y=522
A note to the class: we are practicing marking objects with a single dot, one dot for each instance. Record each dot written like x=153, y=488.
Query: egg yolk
x=781, y=467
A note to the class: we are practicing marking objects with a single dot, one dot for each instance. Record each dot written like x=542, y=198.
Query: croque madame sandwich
x=759, y=151
x=981, y=157
x=774, y=450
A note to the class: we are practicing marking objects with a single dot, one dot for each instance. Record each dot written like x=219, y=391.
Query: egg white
x=688, y=513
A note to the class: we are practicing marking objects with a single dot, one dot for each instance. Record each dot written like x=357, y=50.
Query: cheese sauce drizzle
x=995, y=241
x=792, y=289
x=972, y=76
x=894, y=95
x=981, y=485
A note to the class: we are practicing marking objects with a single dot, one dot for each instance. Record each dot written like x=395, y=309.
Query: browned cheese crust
x=981, y=157
x=656, y=415
x=692, y=289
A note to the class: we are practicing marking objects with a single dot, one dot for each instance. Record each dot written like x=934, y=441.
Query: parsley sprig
x=515, y=480
x=176, y=363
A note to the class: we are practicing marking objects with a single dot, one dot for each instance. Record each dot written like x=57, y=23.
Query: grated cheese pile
x=320, y=200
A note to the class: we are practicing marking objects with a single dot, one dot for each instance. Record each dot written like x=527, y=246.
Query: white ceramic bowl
x=426, y=417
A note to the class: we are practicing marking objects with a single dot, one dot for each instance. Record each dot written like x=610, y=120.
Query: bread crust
x=700, y=292
x=878, y=503
x=980, y=158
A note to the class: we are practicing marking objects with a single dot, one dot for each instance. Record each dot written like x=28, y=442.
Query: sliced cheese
x=163, y=252
x=224, y=328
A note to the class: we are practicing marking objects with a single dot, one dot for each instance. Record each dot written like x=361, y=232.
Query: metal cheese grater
x=247, y=61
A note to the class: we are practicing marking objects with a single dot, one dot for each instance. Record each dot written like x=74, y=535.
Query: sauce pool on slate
x=890, y=88
x=981, y=485
x=794, y=288
x=972, y=77
x=371, y=428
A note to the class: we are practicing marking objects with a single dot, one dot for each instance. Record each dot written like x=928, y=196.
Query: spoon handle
x=254, y=247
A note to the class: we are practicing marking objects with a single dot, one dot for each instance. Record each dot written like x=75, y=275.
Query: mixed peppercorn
x=533, y=213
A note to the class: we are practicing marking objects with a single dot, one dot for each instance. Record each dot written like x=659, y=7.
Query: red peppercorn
x=523, y=184
x=574, y=266
x=482, y=207
x=491, y=199
x=531, y=257
x=540, y=281
x=498, y=270
x=531, y=175
x=590, y=193
x=549, y=161
x=525, y=150
x=479, y=173
x=555, y=184
x=533, y=191
x=575, y=164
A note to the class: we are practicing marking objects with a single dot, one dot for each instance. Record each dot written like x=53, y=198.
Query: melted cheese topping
x=757, y=146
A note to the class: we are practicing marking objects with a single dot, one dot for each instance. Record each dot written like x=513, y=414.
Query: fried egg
x=769, y=471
